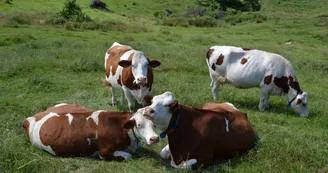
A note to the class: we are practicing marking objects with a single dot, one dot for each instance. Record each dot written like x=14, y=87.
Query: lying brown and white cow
x=70, y=130
x=130, y=72
x=246, y=68
x=198, y=136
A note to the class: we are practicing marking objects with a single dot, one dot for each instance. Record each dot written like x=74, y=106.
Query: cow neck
x=291, y=101
x=173, y=124
x=135, y=141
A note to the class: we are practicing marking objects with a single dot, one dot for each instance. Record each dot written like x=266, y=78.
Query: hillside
x=42, y=64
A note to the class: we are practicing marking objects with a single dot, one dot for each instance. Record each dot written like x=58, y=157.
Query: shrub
x=195, y=12
x=202, y=22
x=239, y=5
x=70, y=12
x=243, y=17
x=176, y=21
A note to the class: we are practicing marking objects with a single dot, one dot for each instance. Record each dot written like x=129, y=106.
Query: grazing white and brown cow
x=70, y=130
x=198, y=136
x=247, y=68
x=130, y=72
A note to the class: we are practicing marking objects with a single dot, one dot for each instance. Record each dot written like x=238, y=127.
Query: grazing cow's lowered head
x=143, y=128
x=299, y=103
x=160, y=109
x=140, y=66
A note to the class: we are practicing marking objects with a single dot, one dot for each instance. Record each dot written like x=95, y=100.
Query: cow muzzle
x=141, y=81
x=149, y=113
x=154, y=140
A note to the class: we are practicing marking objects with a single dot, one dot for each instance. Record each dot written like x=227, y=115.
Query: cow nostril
x=152, y=111
x=154, y=139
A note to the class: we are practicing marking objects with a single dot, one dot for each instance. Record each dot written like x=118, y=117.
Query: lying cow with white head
x=198, y=136
x=130, y=72
x=70, y=130
x=246, y=68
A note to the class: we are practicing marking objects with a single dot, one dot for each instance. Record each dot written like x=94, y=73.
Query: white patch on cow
x=35, y=132
x=184, y=165
x=162, y=113
x=230, y=104
x=140, y=93
x=89, y=141
x=61, y=104
x=101, y=157
x=227, y=124
x=95, y=117
x=165, y=153
x=70, y=118
x=127, y=156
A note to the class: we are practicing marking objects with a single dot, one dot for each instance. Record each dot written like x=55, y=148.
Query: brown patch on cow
x=219, y=61
x=282, y=83
x=294, y=84
x=243, y=61
x=213, y=67
x=198, y=124
x=209, y=53
x=287, y=82
x=26, y=125
x=247, y=49
x=114, y=56
x=267, y=79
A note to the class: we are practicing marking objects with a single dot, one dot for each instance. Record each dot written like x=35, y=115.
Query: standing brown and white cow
x=130, y=72
x=72, y=130
x=198, y=136
x=246, y=68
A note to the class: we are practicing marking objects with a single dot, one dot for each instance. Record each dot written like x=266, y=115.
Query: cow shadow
x=251, y=104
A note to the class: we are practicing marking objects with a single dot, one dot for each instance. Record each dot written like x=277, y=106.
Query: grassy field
x=42, y=65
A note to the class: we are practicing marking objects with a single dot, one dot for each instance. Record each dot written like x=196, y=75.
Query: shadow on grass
x=251, y=104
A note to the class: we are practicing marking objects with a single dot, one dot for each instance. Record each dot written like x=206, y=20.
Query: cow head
x=160, y=109
x=140, y=65
x=143, y=128
x=299, y=104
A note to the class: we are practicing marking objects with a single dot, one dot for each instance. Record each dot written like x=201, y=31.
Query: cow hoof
x=114, y=104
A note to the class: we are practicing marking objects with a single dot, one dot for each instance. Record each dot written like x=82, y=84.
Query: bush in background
x=243, y=17
x=70, y=12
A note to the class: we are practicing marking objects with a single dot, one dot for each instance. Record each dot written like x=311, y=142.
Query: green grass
x=42, y=65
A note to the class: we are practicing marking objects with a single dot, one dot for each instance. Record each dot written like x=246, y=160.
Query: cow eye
x=139, y=125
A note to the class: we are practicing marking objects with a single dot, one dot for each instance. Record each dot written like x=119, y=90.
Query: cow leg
x=129, y=97
x=105, y=154
x=122, y=96
x=264, y=98
x=215, y=87
x=165, y=153
x=113, y=96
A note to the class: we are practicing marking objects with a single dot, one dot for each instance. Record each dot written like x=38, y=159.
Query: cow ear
x=298, y=101
x=124, y=63
x=154, y=63
x=174, y=106
x=129, y=124
x=148, y=99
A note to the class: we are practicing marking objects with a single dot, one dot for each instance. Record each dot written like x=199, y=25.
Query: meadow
x=43, y=64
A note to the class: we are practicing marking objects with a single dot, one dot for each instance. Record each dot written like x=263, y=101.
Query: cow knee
x=165, y=153
x=125, y=155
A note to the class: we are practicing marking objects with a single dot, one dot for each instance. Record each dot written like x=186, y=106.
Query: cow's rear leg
x=264, y=98
x=113, y=96
x=215, y=85
x=129, y=97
